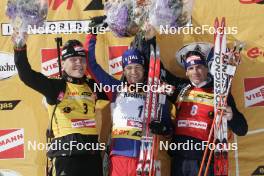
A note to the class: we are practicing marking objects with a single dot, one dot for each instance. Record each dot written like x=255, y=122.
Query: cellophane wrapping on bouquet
x=24, y=13
x=170, y=13
x=120, y=17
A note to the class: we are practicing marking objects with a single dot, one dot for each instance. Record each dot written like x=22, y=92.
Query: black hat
x=72, y=48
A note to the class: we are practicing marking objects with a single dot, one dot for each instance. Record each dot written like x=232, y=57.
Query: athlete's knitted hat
x=132, y=56
x=193, y=58
x=72, y=48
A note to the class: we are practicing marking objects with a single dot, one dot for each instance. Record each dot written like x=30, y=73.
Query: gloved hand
x=19, y=39
x=157, y=127
x=228, y=113
x=97, y=24
x=97, y=20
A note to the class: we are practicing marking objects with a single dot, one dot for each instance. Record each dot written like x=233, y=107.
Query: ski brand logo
x=8, y=105
x=7, y=65
x=115, y=59
x=251, y=1
x=255, y=52
x=55, y=4
x=49, y=62
x=258, y=171
x=11, y=143
x=254, y=92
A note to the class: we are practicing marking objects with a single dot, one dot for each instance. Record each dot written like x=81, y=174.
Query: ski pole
x=209, y=139
x=58, y=41
x=218, y=125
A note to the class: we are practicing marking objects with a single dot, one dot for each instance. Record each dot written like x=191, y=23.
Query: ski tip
x=216, y=22
x=242, y=45
x=238, y=45
x=157, y=51
x=152, y=52
x=235, y=44
x=223, y=22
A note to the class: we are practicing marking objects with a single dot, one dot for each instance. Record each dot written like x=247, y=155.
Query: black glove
x=157, y=127
x=97, y=20
x=97, y=24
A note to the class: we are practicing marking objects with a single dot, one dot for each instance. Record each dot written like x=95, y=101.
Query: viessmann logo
x=115, y=59
x=254, y=92
x=11, y=143
x=49, y=62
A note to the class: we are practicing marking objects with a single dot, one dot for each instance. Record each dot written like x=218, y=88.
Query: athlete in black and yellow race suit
x=77, y=151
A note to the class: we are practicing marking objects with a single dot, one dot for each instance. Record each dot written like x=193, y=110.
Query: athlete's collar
x=72, y=79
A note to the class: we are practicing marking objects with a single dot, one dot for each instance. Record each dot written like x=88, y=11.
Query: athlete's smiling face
x=197, y=73
x=134, y=73
x=74, y=66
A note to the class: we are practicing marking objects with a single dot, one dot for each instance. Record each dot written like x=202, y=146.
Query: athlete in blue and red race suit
x=127, y=109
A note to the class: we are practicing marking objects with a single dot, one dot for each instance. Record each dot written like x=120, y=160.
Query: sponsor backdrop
x=23, y=117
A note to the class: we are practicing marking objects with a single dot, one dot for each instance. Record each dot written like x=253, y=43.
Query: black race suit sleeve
x=238, y=124
x=50, y=88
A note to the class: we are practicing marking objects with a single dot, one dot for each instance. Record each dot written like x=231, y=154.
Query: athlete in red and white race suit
x=194, y=101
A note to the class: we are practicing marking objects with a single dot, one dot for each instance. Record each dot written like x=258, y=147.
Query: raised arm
x=33, y=79
x=96, y=71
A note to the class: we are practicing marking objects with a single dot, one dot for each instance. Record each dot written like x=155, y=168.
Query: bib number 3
x=85, y=108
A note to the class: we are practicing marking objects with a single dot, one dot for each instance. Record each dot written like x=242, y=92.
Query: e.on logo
x=254, y=92
x=55, y=4
x=255, y=52
x=11, y=143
